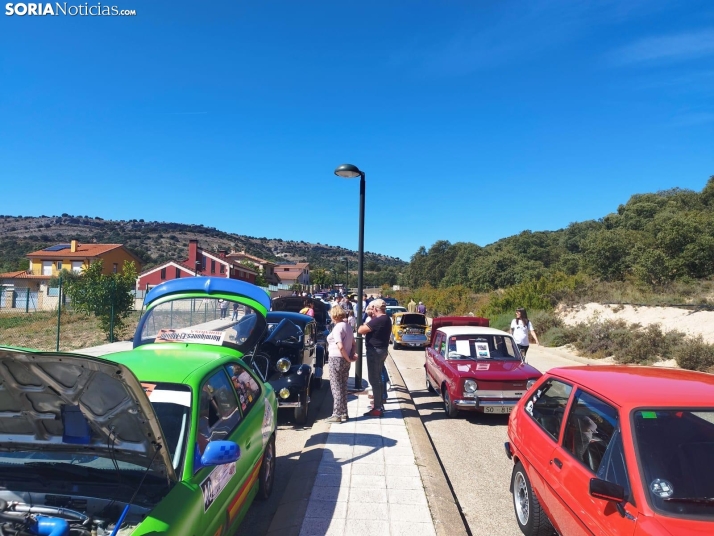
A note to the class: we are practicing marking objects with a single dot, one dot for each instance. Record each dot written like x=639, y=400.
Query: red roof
x=82, y=251
x=22, y=274
x=632, y=386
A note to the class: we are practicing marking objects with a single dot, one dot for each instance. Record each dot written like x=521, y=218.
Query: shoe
x=344, y=418
x=334, y=418
x=374, y=413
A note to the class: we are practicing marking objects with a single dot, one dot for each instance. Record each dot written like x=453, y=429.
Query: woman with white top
x=520, y=328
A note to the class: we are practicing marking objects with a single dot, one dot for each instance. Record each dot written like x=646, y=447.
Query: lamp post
x=348, y=171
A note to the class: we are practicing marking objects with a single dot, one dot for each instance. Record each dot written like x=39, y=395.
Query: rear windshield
x=209, y=320
x=675, y=449
x=481, y=347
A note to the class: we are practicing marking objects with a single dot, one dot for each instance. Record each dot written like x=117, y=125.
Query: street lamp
x=348, y=171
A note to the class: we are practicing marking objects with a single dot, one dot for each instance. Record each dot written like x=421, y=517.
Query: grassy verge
x=39, y=330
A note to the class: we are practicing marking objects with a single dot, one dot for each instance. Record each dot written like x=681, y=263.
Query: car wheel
x=429, y=387
x=266, y=477
x=396, y=346
x=449, y=408
x=530, y=516
x=301, y=410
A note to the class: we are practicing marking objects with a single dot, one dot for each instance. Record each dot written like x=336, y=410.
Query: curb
x=445, y=511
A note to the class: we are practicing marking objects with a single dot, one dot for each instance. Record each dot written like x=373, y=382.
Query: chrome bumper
x=476, y=403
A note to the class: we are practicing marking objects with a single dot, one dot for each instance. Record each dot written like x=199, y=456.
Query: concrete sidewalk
x=367, y=481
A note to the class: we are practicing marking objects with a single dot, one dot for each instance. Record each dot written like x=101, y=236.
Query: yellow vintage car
x=410, y=329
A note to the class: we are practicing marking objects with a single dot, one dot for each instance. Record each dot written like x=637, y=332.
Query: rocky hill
x=156, y=242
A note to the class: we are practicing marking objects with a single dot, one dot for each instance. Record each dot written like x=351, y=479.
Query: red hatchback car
x=615, y=450
x=474, y=367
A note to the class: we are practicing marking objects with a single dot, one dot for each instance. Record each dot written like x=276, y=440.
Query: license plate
x=497, y=409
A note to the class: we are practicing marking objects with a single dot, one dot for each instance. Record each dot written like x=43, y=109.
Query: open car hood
x=294, y=304
x=78, y=405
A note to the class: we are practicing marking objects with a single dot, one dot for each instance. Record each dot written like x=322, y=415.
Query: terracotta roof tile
x=22, y=274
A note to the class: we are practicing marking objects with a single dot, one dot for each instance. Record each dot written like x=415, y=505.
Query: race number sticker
x=214, y=483
x=268, y=416
x=190, y=335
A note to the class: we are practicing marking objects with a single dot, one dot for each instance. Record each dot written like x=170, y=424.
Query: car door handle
x=247, y=445
x=557, y=463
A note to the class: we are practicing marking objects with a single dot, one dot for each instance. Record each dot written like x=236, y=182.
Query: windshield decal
x=214, y=483
x=482, y=350
x=190, y=335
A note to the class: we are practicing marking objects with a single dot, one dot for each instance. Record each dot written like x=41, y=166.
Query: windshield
x=482, y=347
x=207, y=320
x=675, y=449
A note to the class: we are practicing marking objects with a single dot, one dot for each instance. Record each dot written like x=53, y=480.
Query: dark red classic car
x=474, y=367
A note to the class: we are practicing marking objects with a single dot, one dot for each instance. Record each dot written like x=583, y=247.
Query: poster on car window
x=214, y=483
x=482, y=350
x=190, y=335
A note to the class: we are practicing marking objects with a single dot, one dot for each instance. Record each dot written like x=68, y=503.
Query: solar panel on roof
x=58, y=247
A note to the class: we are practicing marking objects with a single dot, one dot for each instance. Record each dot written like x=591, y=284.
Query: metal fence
x=43, y=319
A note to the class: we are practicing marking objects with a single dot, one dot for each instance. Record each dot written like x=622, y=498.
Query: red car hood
x=497, y=370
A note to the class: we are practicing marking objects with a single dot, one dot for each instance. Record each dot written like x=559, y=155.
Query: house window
x=213, y=267
x=59, y=265
x=223, y=269
x=115, y=268
x=46, y=267
x=76, y=266
x=163, y=273
x=178, y=273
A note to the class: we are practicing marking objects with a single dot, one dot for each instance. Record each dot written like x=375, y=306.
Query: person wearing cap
x=377, y=332
x=421, y=308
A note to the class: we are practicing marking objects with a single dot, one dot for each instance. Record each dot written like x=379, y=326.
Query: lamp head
x=348, y=171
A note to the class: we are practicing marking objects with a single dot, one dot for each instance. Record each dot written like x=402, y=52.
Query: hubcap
x=447, y=402
x=520, y=498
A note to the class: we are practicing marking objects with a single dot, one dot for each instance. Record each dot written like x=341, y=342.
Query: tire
x=530, y=516
x=301, y=410
x=395, y=345
x=266, y=477
x=429, y=387
x=451, y=410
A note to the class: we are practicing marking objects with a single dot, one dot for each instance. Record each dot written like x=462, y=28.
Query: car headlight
x=284, y=392
x=283, y=365
x=530, y=383
x=470, y=386
x=400, y=332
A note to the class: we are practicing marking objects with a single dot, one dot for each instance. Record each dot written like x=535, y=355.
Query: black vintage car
x=291, y=355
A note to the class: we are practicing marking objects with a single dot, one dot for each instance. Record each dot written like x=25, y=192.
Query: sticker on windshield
x=662, y=488
x=482, y=350
x=214, y=483
x=190, y=335
x=267, y=429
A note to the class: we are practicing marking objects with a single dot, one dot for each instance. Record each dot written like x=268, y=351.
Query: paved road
x=470, y=447
x=290, y=440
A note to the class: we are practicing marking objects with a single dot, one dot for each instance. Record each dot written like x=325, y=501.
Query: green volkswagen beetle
x=176, y=436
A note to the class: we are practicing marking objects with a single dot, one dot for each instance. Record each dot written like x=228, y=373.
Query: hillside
x=156, y=242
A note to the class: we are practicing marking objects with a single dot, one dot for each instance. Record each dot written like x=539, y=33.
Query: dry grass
x=39, y=330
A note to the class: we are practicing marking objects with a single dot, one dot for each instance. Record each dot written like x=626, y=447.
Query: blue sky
x=473, y=120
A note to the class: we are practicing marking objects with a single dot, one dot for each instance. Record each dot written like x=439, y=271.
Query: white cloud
x=666, y=48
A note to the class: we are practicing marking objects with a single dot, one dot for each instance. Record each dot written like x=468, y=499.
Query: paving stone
x=368, y=481
x=329, y=494
x=367, y=495
x=366, y=527
x=322, y=527
x=401, y=470
x=404, y=482
x=406, y=496
x=407, y=528
x=333, y=480
x=400, y=460
x=374, y=511
x=409, y=513
x=326, y=510
x=371, y=469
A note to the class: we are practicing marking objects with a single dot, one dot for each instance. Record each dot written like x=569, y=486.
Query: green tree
x=320, y=277
x=107, y=296
x=259, y=277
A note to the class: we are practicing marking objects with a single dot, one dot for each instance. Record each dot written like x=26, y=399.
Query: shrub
x=557, y=336
x=695, y=354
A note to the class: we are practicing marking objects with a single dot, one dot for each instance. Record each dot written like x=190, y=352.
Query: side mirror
x=219, y=453
x=607, y=491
